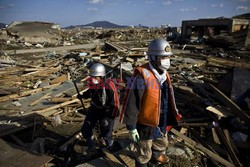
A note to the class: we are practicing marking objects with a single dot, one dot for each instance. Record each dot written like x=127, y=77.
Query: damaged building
x=221, y=31
x=213, y=26
x=35, y=32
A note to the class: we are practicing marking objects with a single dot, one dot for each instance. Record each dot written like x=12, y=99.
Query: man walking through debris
x=149, y=105
x=104, y=107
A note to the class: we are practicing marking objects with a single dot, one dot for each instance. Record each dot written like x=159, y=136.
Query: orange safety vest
x=151, y=100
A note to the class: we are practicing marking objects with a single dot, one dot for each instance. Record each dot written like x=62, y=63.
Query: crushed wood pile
x=39, y=111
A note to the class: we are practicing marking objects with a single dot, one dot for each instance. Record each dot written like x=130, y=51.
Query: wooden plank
x=56, y=106
x=218, y=111
x=130, y=162
x=204, y=143
x=51, y=86
x=60, y=79
x=199, y=88
x=203, y=149
x=8, y=97
x=31, y=73
x=229, y=103
x=70, y=119
x=13, y=155
x=4, y=92
x=60, y=99
x=15, y=129
x=38, y=100
x=114, y=162
x=34, y=69
x=64, y=146
x=229, y=138
x=28, y=92
x=193, y=124
x=229, y=63
x=52, y=49
x=228, y=147
x=215, y=137
x=81, y=92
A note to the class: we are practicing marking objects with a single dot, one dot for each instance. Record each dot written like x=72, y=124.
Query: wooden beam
x=28, y=92
x=15, y=129
x=127, y=159
x=60, y=99
x=193, y=124
x=229, y=138
x=13, y=155
x=218, y=111
x=56, y=106
x=228, y=147
x=203, y=149
x=204, y=143
x=114, y=162
x=64, y=146
x=229, y=103
x=215, y=137
x=8, y=97
x=38, y=100
x=229, y=63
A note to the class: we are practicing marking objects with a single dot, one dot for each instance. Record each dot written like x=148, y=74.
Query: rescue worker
x=104, y=107
x=149, y=105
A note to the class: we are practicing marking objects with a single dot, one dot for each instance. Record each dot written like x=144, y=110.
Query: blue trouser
x=106, y=126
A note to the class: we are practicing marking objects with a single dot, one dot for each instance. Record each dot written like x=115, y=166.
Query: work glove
x=134, y=135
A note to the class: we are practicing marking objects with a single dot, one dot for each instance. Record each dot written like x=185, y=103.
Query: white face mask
x=165, y=64
x=95, y=81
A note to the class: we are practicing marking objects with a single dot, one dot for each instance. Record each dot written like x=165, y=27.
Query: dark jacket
x=111, y=107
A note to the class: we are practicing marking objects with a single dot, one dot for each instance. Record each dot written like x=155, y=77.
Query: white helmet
x=97, y=70
x=159, y=47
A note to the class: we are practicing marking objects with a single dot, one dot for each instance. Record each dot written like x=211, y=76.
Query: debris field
x=41, y=117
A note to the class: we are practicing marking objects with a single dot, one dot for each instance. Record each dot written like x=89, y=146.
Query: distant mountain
x=103, y=24
x=2, y=25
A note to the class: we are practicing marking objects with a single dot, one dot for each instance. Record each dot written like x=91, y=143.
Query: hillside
x=103, y=24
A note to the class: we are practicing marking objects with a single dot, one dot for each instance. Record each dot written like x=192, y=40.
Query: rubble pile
x=15, y=36
x=39, y=110
x=234, y=40
x=79, y=36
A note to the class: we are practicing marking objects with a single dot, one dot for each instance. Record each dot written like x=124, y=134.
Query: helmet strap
x=153, y=62
x=152, y=58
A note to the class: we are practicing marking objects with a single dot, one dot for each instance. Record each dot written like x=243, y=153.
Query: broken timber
x=113, y=161
x=226, y=101
x=203, y=149
x=13, y=155
x=60, y=48
x=117, y=47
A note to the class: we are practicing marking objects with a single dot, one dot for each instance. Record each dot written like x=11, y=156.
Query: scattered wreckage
x=40, y=116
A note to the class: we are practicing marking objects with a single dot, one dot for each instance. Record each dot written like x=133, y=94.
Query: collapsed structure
x=220, y=27
x=35, y=32
x=40, y=116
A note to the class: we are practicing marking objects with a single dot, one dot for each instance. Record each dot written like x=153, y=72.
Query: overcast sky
x=123, y=12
